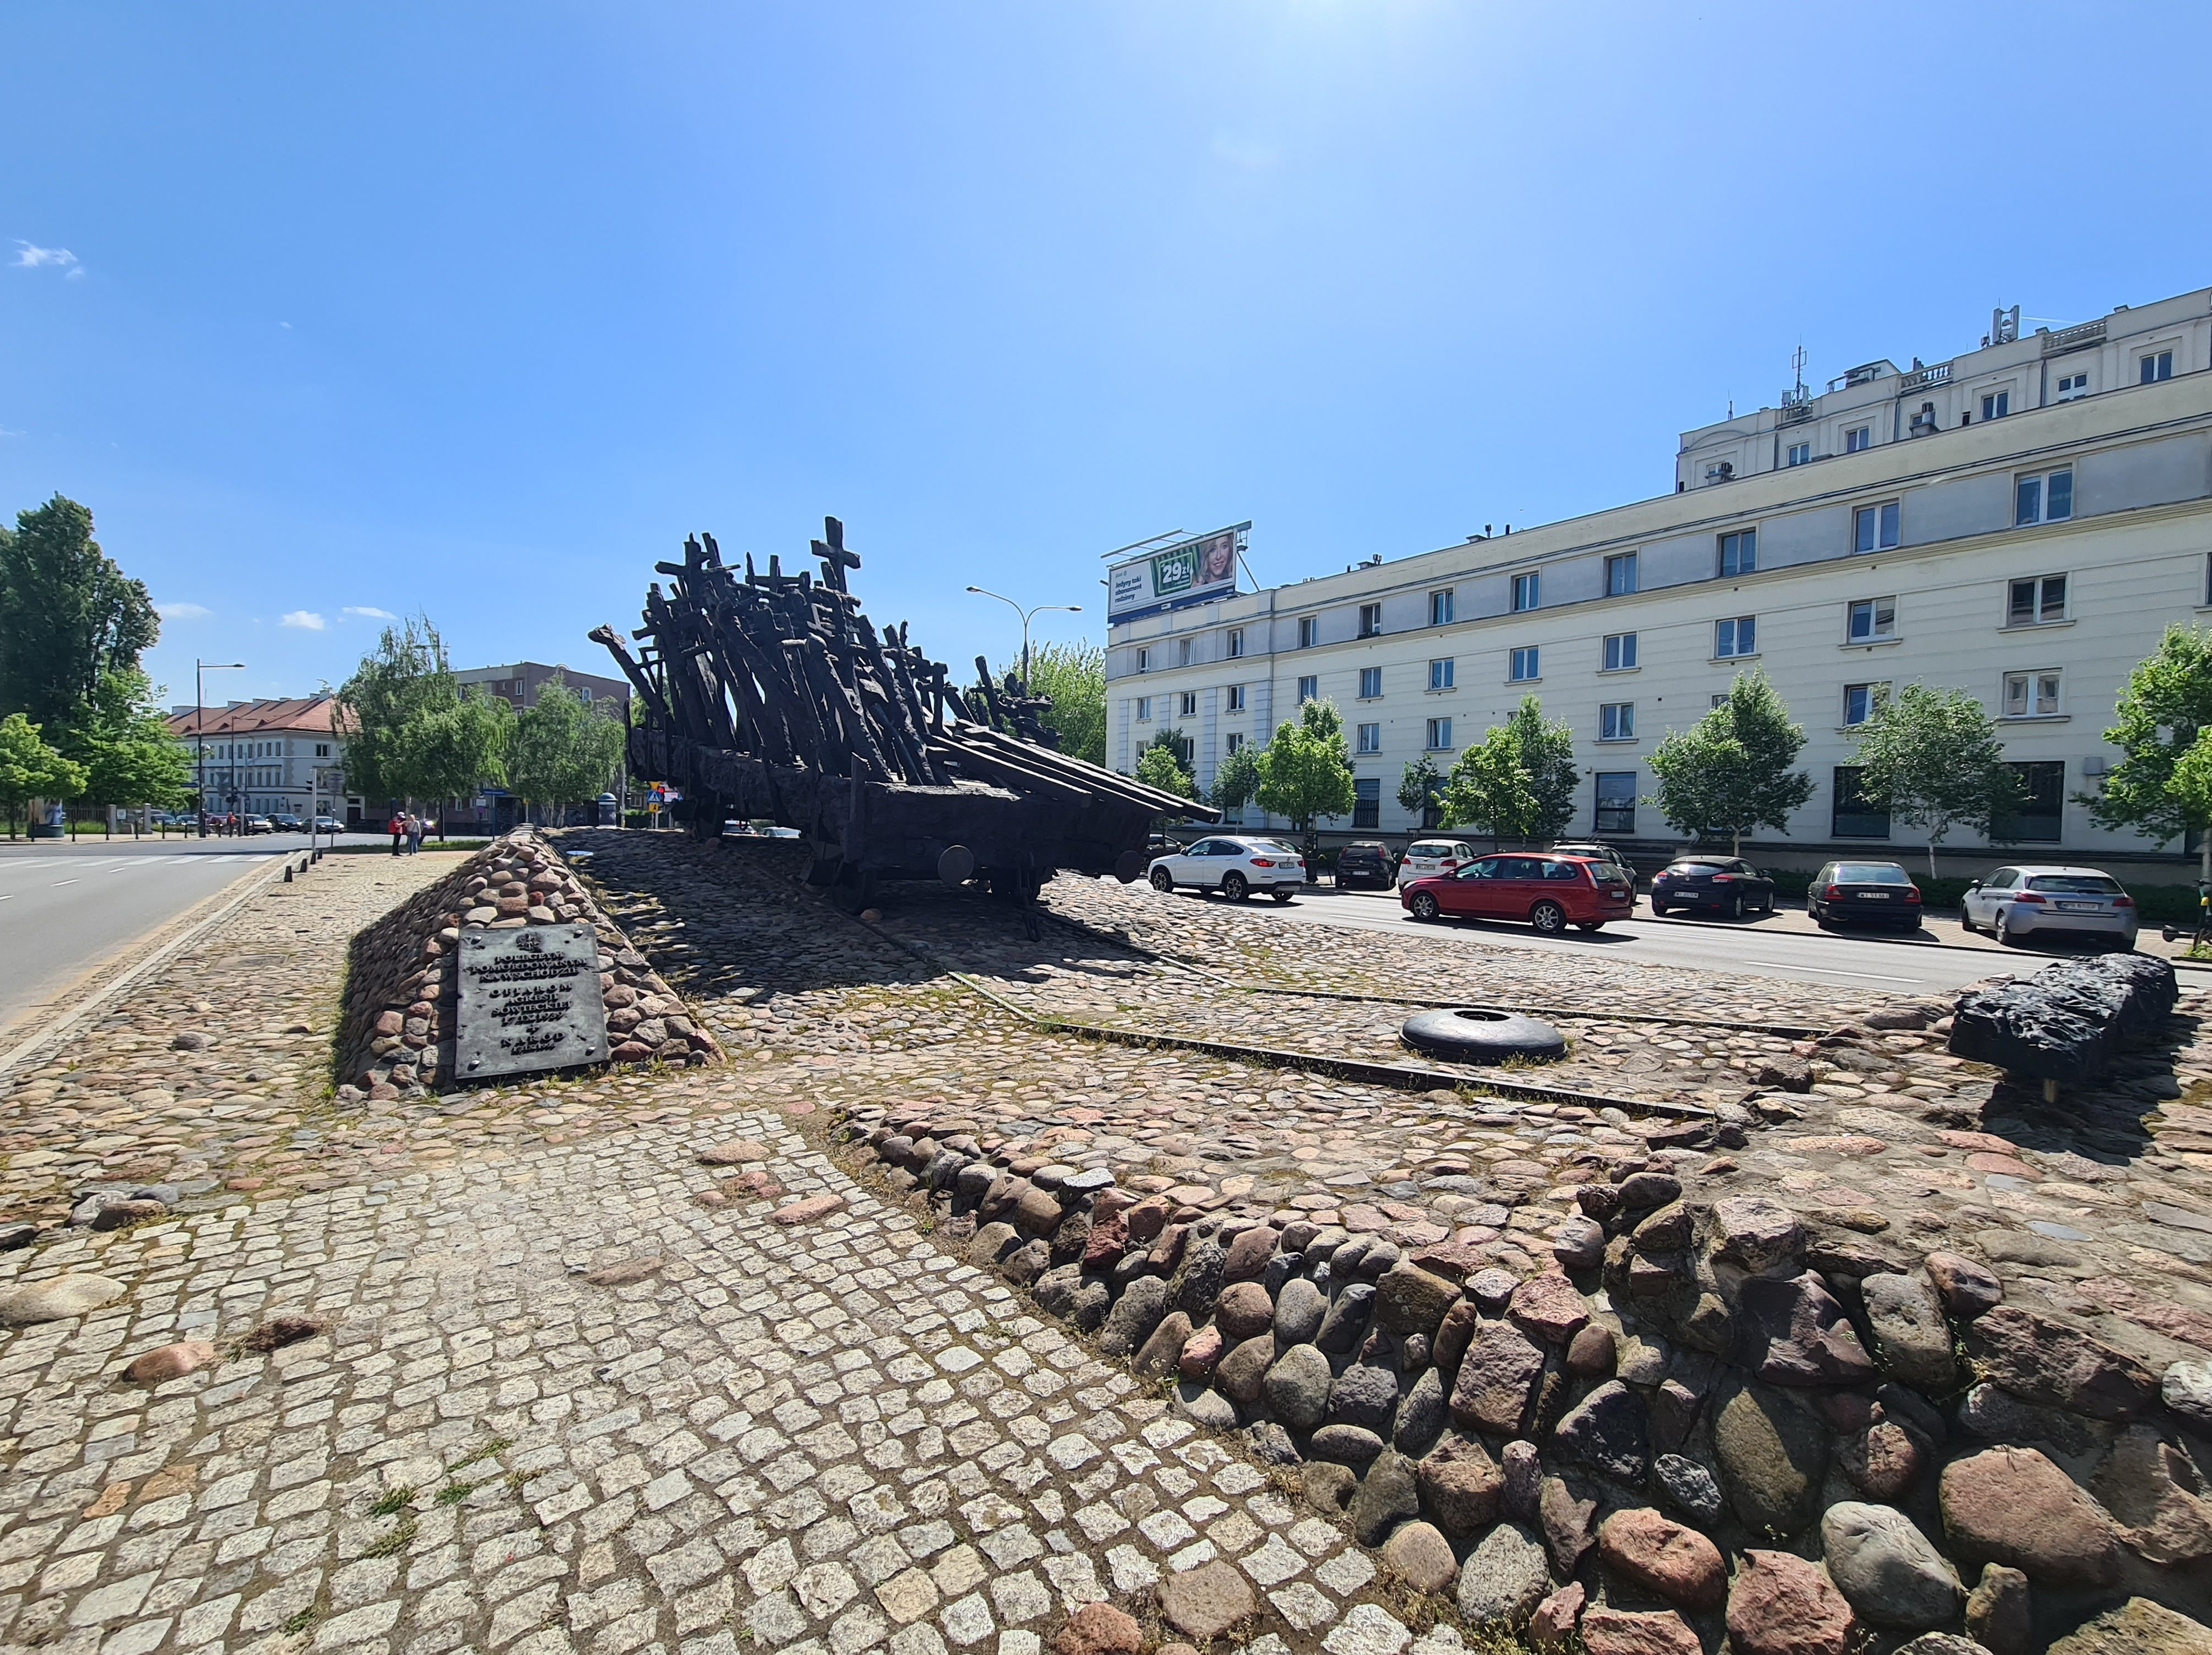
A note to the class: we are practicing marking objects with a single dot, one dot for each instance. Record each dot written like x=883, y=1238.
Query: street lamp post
x=1026, y=614
x=199, y=726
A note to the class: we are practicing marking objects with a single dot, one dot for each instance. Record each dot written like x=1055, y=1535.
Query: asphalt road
x=67, y=906
x=1757, y=948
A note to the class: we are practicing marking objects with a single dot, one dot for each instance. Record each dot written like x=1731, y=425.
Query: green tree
x=1161, y=765
x=1519, y=780
x=447, y=751
x=126, y=749
x=67, y=615
x=1932, y=759
x=1073, y=676
x=29, y=768
x=1305, y=772
x=405, y=677
x=564, y=751
x=2158, y=719
x=1419, y=788
x=1730, y=771
x=1235, y=780
x=2190, y=787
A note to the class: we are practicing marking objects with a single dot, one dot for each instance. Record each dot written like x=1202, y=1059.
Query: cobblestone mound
x=400, y=1016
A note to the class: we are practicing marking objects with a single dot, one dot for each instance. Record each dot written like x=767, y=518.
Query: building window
x=1858, y=437
x=1872, y=618
x=1308, y=631
x=1440, y=608
x=2072, y=387
x=1873, y=528
x=1620, y=653
x=1144, y=709
x=1183, y=652
x=1620, y=575
x=1187, y=704
x=1996, y=404
x=322, y=750
x=1439, y=734
x=2041, y=817
x=1366, y=802
x=1524, y=664
x=1738, y=636
x=1144, y=660
x=1235, y=697
x=1371, y=619
x=1616, y=721
x=1616, y=801
x=1440, y=674
x=1370, y=683
x=1309, y=688
x=1233, y=644
x=1528, y=590
x=1370, y=738
x=2158, y=365
x=1799, y=453
x=2035, y=601
x=1854, y=815
x=1235, y=742
x=2047, y=498
x=1718, y=698
x=1740, y=552
x=1860, y=701
x=2031, y=695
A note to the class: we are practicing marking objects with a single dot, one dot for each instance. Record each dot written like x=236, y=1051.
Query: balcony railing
x=2074, y=338
x=1938, y=375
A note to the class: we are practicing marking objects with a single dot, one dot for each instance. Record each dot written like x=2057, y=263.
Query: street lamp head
x=974, y=588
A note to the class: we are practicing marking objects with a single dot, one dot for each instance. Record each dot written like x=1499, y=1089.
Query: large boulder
x=1792, y=1332
x=1779, y=1605
x=1299, y=1309
x=1297, y=1388
x=1504, y=1578
x=58, y=1299
x=1410, y=1300
x=1891, y=1573
x=1771, y=1455
x=1385, y=1497
x=2012, y=1505
x=2045, y=1361
x=1609, y=1432
x=1135, y=1314
x=1755, y=1234
x=1460, y=1485
x=1498, y=1378
x=1912, y=1339
x=1608, y=1631
x=2138, y=1626
x=2065, y=1022
x=1664, y=1559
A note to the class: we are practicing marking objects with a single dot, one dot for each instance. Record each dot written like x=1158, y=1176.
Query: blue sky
x=330, y=311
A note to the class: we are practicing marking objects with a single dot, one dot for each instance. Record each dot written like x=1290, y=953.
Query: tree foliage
x=123, y=745
x=1073, y=675
x=2190, y=787
x=404, y=677
x=449, y=750
x=1730, y=771
x=1519, y=781
x=1932, y=759
x=564, y=750
x=1160, y=764
x=67, y=615
x=2159, y=718
x=1305, y=772
x=29, y=768
x=1235, y=780
x=1419, y=786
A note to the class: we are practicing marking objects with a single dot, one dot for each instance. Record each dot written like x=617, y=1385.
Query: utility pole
x=1026, y=614
x=199, y=726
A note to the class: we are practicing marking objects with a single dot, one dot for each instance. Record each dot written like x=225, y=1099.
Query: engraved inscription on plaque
x=530, y=1000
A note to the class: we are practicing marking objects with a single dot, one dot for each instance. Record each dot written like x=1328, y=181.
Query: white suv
x=1235, y=868
x=1426, y=858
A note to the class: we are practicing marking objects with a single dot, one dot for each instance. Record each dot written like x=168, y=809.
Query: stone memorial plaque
x=530, y=1000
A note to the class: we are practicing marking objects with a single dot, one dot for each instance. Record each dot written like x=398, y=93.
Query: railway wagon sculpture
x=771, y=696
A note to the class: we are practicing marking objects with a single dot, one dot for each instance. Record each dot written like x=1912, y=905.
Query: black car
x=1727, y=885
x=1365, y=861
x=1868, y=893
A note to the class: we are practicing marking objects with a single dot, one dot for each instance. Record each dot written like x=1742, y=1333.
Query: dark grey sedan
x=1725, y=885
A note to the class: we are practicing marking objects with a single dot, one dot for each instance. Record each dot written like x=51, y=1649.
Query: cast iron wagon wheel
x=1473, y=1036
x=854, y=888
x=1548, y=917
x=1424, y=906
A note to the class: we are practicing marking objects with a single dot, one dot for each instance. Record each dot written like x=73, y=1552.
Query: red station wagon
x=1550, y=892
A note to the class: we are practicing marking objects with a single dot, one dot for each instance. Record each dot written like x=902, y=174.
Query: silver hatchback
x=2015, y=904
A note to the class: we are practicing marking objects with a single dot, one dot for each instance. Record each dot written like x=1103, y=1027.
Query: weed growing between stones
x=394, y=1501
x=390, y=1544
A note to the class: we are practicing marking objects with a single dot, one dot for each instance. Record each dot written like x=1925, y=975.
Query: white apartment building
x=2023, y=520
x=278, y=758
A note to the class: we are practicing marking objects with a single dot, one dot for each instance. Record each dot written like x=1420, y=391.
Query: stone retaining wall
x=398, y=1019
x=1698, y=1426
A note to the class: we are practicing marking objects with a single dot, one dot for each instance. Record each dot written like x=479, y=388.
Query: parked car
x=256, y=824
x=1728, y=884
x=1234, y=866
x=1602, y=852
x=1426, y=858
x=2015, y=903
x=1550, y=891
x=1364, y=861
x=1868, y=893
x=288, y=824
x=327, y=824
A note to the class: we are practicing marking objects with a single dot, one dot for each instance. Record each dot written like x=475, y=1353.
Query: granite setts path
x=519, y=1369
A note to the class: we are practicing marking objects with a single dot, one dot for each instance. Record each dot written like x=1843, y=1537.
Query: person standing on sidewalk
x=414, y=834
x=398, y=828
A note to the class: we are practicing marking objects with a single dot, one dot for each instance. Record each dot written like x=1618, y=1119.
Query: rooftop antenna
x=1797, y=396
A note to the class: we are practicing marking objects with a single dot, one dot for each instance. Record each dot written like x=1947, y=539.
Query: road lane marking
x=1830, y=970
x=58, y=883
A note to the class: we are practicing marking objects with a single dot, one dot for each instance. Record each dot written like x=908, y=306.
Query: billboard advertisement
x=1196, y=570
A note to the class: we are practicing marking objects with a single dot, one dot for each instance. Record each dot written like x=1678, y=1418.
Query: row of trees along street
x=79, y=722
x=416, y=736
x=1934, y=759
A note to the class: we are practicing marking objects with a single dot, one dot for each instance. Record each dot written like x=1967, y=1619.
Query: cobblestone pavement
x=822, y=1437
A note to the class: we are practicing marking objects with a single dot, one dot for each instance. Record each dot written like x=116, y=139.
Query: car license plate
x=2081, y=908
x=1874, y=896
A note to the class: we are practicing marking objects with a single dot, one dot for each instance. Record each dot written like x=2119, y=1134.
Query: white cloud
x=33, y=257
x=304, y=617
x=182, y=611
x=368, y=612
